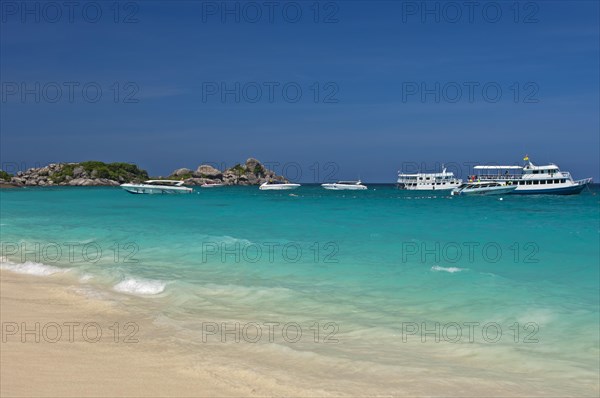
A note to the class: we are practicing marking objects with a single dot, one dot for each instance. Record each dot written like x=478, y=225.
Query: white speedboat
x=212, y=185
x=532, y=179
x=157, y=187
x=484, y=188
x=428, y=181
x=345, y=185
x=277, y=186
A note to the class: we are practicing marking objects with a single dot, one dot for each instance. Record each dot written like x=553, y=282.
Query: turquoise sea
x=384, y=285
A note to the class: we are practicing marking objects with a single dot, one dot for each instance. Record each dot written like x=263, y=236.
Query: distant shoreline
x=4, y=185
x=96, y=173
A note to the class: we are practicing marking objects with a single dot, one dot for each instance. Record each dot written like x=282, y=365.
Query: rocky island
x=252, y=172
x=94, y=173
x=91, y=173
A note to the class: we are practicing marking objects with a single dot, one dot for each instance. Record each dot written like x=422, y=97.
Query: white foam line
x=437, y=268
x=31, y=268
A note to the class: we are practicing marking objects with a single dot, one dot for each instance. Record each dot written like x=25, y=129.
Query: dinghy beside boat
x=483, y=188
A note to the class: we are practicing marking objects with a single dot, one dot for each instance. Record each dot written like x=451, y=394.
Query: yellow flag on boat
x=526, y=158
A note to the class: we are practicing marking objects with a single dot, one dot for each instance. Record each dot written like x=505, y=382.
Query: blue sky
x=384, y=85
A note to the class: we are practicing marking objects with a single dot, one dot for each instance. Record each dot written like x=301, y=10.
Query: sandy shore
x=76, y=352
x=75, y=365
x=59, y=341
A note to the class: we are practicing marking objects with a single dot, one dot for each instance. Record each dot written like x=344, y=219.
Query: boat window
x=563, y=180
x=535, y=171
x=528, y=182
x=543, y=182
x=536, y=182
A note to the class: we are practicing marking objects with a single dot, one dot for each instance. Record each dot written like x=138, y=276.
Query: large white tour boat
x=532, y=179
x=429, y=181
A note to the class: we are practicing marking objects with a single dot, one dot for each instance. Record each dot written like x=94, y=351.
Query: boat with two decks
x=443, y=181
x=531, y=179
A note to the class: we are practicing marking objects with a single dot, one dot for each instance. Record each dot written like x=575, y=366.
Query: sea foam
x=437, y=268
x=140, y=286
x=30, y=268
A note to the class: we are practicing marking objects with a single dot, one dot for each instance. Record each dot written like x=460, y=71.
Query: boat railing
x=565, y=174
x=498, y=177
x=583, y=181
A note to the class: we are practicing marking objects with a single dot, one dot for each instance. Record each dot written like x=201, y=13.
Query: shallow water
x=378, y=283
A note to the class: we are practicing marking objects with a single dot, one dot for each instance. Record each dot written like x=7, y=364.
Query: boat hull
x=334, y=187
x=485, y=191
x=279, y=187
x=569, y=190
x=429, y=188
x=148, y=190
x=212, y=185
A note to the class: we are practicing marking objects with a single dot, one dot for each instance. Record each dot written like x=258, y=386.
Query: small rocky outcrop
x=182, y=172
x=253, y=172
x=90, y=173
x=207, y=171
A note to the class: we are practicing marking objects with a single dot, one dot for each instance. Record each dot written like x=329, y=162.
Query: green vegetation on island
x=5, y=176
x=118, y=171
x=89, y=173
